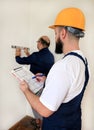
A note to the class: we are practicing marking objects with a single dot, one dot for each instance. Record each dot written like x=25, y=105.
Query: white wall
x=14, y=30
x=22, y=22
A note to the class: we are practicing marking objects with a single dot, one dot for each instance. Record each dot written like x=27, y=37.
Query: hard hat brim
x=52, y=26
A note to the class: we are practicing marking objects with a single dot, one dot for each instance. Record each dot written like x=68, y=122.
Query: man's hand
x=34, y=100
x=24, y=86
x=26, y=51
x=18, y=52
x=40, y=77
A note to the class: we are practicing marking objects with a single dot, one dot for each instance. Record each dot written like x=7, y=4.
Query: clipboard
x=22, y=73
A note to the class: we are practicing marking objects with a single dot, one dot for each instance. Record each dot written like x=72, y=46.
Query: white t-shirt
x=64, y=81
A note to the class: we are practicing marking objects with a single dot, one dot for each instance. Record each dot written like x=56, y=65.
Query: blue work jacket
x=40, y=62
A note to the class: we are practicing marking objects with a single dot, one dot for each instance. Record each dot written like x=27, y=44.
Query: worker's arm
x=23, y=60
x=34, y=100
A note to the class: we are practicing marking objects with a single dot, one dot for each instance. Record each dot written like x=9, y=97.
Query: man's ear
x=63, y=33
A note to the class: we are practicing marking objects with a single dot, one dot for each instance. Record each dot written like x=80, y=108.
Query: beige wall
x=21, y=23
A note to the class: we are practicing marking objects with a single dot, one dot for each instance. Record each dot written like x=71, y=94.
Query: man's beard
x=59, y=46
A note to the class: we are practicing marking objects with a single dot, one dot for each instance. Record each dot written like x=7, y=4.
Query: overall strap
x=79, y=56
x=85, y=63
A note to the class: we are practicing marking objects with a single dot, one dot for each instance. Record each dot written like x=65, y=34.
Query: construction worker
x=40, y=61
x=60, y=101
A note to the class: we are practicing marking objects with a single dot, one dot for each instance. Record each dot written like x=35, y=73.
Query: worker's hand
x=40, y=78
x=24, y=86
x=26, y=51
x=18, y=52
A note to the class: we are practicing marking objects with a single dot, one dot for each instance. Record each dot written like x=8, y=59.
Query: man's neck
x=71, y=46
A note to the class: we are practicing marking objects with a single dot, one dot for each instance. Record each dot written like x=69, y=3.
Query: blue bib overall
x=68, y=116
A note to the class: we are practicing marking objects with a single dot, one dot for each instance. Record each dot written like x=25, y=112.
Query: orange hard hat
x=72, y=17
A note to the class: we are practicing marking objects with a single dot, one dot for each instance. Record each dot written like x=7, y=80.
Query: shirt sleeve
x=57, y=86
x=26, y=60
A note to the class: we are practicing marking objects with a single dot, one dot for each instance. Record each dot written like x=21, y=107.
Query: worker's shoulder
x=68, y=62
x=34, y=53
